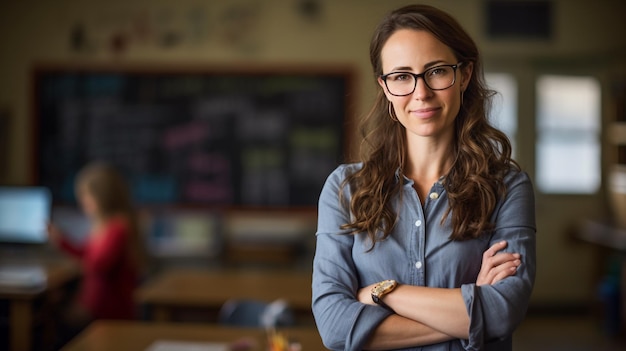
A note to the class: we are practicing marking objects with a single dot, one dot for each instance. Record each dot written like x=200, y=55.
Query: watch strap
x=379, y=301
x=381, y=289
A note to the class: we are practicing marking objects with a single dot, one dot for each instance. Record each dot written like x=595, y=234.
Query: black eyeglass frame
x=416, y=76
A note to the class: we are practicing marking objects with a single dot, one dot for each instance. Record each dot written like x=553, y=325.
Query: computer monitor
x=24, y=213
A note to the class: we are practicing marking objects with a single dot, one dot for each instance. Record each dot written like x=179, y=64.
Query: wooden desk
x=180, y=288
x=137, y=336
x=57, y=274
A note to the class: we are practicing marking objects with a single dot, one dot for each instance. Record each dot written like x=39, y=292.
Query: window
x=503, y=114
x=568, y=134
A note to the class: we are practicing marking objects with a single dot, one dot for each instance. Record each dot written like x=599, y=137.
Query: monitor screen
x=24, y=213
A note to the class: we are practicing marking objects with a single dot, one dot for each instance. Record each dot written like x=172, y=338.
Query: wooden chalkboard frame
x=343, y=73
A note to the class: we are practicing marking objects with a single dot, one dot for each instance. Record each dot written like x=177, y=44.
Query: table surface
x=55, y=273
x=211, y=288
x=21, y=293
x=138, y=336
x=603, y=233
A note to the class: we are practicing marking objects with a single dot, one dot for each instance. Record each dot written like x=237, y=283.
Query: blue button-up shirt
x=419, y=252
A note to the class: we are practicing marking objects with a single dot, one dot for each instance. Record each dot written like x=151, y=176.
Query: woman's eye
x=401, y=77
x=437, y=71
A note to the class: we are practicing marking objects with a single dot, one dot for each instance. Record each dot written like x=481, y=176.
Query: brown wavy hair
x=482, y=153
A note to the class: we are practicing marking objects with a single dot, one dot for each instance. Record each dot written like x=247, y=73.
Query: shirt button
x=418, y=264
x=418, y=223
x=434, y=196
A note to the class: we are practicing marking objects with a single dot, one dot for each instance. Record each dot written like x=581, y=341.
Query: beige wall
x=588, y=37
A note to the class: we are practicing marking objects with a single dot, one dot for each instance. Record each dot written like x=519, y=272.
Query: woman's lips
x=427, y=112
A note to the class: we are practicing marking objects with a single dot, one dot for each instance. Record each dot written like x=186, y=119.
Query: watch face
x=388, y=284
x=384, y=287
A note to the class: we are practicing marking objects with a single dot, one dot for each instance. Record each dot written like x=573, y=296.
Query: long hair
x=482, y=153
x=113, y=198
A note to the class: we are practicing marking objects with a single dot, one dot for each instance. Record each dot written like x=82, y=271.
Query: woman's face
x=426, y=112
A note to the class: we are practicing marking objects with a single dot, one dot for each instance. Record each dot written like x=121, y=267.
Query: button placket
x=419, y=224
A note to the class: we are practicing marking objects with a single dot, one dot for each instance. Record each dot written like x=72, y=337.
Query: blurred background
x=227, y=116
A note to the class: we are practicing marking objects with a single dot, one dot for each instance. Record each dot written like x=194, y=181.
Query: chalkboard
x=226, y=137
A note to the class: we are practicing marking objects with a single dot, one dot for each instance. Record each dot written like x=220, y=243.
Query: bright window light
x=568, y=134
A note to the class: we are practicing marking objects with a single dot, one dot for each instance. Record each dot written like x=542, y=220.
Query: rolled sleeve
x=343, y=322
x=420, y=244
x=496, y=310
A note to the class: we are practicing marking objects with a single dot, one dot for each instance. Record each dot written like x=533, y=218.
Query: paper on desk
x=172, y=345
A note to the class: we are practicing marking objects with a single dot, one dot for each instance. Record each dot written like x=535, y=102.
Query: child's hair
x=112, y=195
x=107, y=187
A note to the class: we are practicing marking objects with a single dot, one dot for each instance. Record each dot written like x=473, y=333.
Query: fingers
x=494, y=249
x=506, y=269
x=497, y=265
x=503, y=257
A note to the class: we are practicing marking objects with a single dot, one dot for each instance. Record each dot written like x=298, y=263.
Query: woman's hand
x=364, y=295
x=497, y=266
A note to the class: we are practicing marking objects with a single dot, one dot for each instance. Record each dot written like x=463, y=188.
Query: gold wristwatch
x=381, y=289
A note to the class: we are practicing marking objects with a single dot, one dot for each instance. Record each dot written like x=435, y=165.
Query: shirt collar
x=409, y=181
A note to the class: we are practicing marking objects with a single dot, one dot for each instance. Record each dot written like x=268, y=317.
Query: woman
x=111, y=256
x=429, y=242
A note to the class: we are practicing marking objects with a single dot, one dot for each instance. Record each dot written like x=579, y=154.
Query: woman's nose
x=422, y=91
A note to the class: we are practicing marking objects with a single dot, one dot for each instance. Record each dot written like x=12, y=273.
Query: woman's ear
x=381, y=82
x=466, y=74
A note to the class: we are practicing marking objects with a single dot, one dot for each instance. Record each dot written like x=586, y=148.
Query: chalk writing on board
x=217, y=138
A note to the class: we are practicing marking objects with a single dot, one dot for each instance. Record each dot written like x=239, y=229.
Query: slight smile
x=425, y=112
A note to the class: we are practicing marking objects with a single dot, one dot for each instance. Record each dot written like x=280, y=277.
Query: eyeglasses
x=436, y=78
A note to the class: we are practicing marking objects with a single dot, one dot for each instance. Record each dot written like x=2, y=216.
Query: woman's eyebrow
x=402, y=68
x=426, y=66
x=434, y=63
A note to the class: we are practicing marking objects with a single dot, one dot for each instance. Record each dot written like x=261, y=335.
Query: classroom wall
x=251, y=32
x=588, y=35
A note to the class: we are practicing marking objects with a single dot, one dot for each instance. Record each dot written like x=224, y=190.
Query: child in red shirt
x=110, y=257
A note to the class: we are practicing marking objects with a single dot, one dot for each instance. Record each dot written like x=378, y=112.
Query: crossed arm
x=485, y=310
x=426, y=315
